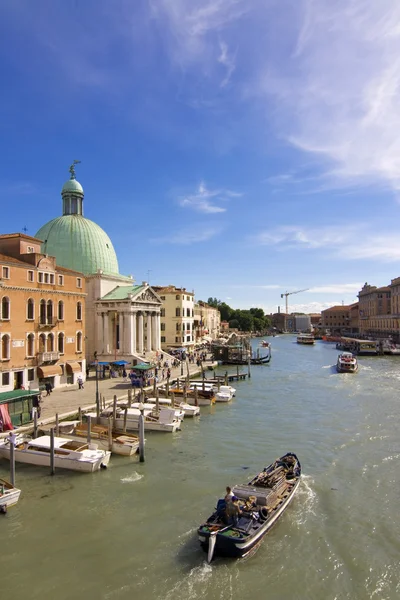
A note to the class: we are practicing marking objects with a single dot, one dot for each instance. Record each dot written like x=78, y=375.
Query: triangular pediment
x=147, y=295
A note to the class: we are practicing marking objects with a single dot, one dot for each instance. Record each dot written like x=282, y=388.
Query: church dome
x=76, y=242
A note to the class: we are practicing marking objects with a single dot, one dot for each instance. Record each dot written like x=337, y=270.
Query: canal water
x=130, y=531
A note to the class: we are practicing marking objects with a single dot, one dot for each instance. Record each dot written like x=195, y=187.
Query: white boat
x=346, y=363
x=213, y=387
x=306, y=338
x=164, y=421
x=9, y=495
x=188, y=410
x=68, y=454
x=179, y=414
x=121, y=443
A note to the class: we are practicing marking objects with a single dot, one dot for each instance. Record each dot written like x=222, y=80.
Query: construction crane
x=286, y=294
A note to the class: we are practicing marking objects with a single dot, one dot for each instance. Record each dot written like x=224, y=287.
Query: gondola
x=262, y=501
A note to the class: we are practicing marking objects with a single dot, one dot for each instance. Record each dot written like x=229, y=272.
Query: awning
x=49, y=371
x=120, y=363
x=73, y=367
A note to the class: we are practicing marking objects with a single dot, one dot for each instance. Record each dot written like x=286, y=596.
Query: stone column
x=106, y=340
x=134, y=332
x=158, y=331
x=154, y=332
x=130, y=333
x=140, y=332
x=148, y=332
x=100, y=333
x=121, y=332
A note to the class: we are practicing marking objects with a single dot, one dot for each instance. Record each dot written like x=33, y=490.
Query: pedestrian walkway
x=65, y=400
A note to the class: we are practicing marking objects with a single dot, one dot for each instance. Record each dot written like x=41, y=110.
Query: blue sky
x=240, y=148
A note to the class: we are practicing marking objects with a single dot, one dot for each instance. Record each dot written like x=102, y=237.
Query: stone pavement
x=68, y=400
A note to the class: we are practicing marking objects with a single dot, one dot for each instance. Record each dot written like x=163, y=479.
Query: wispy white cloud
x=187, y=238
x=228, y=61
x=337, y=288
x=206, y=200
x=339, y=94
x=272, y=286
x=349, y=242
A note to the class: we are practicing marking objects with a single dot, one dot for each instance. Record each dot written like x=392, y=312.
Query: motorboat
x=120, y=442
x=188, y=409
x=165, y=420
x=9, y=495
x=306, y=339
x=205, y=398
x=75, y=455
x=213, y=387
x=258, y=506
x=346, y=363
x=179, y=413
x=224, y=393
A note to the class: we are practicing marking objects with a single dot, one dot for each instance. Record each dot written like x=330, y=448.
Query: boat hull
x=41, y=459
x=133, y=425
x=10, y=495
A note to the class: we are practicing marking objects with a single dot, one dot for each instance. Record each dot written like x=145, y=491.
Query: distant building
x=336, y=319
x=42, y=317
x=354, y=318
x=302, y=322
x=315, y=319
x=177, y=317
x=283, y=322
x=375, y=310
x=224, y=327
x=207, y=322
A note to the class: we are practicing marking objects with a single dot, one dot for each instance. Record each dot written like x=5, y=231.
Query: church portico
x=128, y=323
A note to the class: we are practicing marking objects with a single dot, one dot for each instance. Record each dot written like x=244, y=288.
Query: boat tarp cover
x=17, y=395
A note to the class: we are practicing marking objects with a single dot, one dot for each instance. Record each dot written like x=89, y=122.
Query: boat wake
x=192, y=586
x=187, y=533
x=306, y=500
x=132, y=478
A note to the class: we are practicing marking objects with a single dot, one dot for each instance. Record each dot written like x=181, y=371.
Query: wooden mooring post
x=196, y=396
x=141, y=437
x=129, y=398
x=80, y=415
x=89, y=429
x=35, y=425
x=57, y=425
x=114, y=412
x=125, y=419
x=110, y=436
x=52, y=453
x=12, y=463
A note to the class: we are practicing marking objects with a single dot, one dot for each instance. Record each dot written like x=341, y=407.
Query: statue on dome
x=72, y=168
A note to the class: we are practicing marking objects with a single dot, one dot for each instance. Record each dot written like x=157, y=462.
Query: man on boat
x=229, y=494
x=233, y=511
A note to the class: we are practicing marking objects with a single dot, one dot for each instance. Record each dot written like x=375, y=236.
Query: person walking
x=80, y=382
x=48, y=388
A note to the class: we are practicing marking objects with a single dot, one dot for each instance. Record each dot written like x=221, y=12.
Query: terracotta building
x=42, y=317
x=375, y=310
x=336, y=319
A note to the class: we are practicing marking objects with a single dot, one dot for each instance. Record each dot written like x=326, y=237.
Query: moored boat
x=165, y=420
x=68, y=454
x=346, y=363
x=262, y=501
x=9, y=495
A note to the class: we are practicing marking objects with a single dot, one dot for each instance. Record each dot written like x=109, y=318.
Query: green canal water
x=130, y=531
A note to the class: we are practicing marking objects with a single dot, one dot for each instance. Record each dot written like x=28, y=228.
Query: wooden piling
x=167, y=388
x=248, y=368
x=89, y=429
x=35, y=425
x=172, y=399
x=80, y=415
x=129, y=398
x=52, y=453
x=157, y=401
x=237, y=371
x=141, y=437
x=114, y=412
x=196, y=396
x=12, y=463
x=125, y=418
x=226, y=377
x=110, y=437
x=57, y=425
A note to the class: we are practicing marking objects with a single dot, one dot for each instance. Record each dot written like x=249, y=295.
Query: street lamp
x=96, y=362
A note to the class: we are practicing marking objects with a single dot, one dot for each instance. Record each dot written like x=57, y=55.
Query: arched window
x=61, y=311
x=42, y=316
x=79, y=341
x=50, y=342
x=49, y=312
x=61, y=343
x=30, y=350
x=5, y=308
x=79, y=311
x=42, y=342
x=5, y=347
x=30, y=310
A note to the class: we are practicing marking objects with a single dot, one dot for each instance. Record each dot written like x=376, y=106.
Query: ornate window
x=5, y=347
x=61, y=343
x=49, y=312
x=5, y=308
x=79, y=341
x=30, y=345
x=61, y=310
x=30, y=309
x=42, y=342
x=50, y=342
x=79, y=311
x=42, y=312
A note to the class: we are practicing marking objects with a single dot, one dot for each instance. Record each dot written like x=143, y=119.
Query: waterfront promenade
x=67, y=400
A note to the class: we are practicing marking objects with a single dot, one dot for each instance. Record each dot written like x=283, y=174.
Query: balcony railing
x=44, y=357
x=43, y=324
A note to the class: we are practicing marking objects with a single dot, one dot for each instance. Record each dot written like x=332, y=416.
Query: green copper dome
x=78, y=244
x=72, y=185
